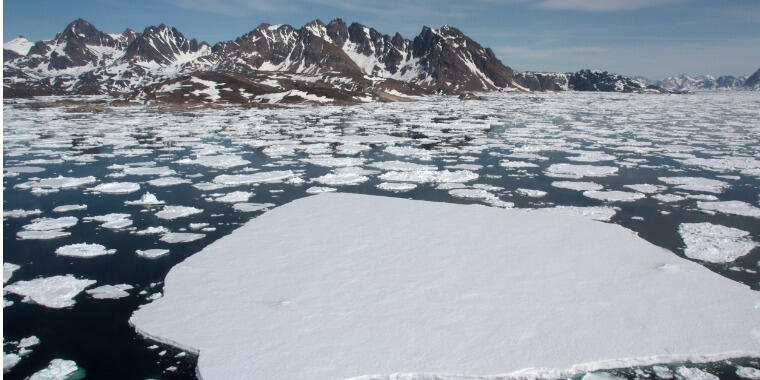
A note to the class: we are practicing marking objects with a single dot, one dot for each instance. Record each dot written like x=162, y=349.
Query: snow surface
x=715, y=243
x=54, y=292
x=343, y=285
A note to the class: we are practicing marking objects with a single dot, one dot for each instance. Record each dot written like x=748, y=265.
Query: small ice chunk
x=662, y=372
x=152, y=253
x=472, y=193
x=748, y=372
x=668, y=198
x=592, y=156
x=731, y=207
x=174, y=212
x=697, y=184
x=161, y=171
x=10, y=360
x=645, y=188
x=50, y=224
x=55, y=184
x=54, y=292
x=694, y=374
x=152, y=231
x=67, y=208
x=234, y=197
x=167, y=181
x=396, y=186
x=517, y=164
x=614, y=195
x=18, y=213
x=147, y=199
x=84, y=250
x=334, y=162
x=8, y=270
x=115, y=188
x=180, y=237
x=715, y=243
x=578, y=186
x=601, y=376
x=580, y=171
x=197, y=226
x=226, y=161
x=429, y=176
x=251, y=207
x=113, y=221
x=401, y=166
x=58, y=369
x=41, y=235
x=338, y=179
x=248, y=179
x=320, y=189
x=110, y=291
x=531, y=193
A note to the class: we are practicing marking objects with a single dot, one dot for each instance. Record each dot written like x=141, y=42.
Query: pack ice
x=344, y=285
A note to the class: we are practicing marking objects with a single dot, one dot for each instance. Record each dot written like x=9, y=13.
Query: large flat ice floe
x=342, y=285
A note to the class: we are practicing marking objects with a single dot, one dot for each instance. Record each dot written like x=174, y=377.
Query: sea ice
x=110, y=291
x=715, y=243
x=152, y=253
x=50, y=224
x=396, y=186
x=174, y=212
x=147, y=199
x=58, y=369
x=115, y=188
x=645, y=188
x=248, y=179
x=614, y=195
x=688, y=373
x=580, y=171
x=748, y=373
x=67, y=208
x=8, y=270
x=167, y=181
x=339, y=179
x=697, y=184
x=180, y=237
x=251, y=207
x=20, y=213
x=54, y=292
x=429, y=176
x=531, y=193
x=234, y=197
x=401, y=166
x=472, y=193
x=83, y=250
x=320, y=189
x=217, y=162
x=113, y=221
x=56, y=183
x=578, y=186
x=345, y=285
x=731, y=207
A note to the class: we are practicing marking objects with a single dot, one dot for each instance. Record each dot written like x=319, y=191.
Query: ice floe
x=152, y=253
x=180, y=237
x=8, y=270
x=251, y=207
x=148, y=199
x=18, y=213
x=431, y=276
x=167, y=181
x=715, y=243
x=67, y=208
x=216, y=162
x=234, y=197
x=614, y=195
x=578, y=186
x=115, y=188
x=396, y=186
x=58, y=369
x=731, y=207
x=697, y=184
x=174, y=212
x=580, y=171
x=429, y=176
x=54, y=292
x=341, y=179
x=83, y=250
x=113, y=221
x=110, y=291
x=248, y=179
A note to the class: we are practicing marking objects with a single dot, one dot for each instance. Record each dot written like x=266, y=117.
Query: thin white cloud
x=603, y=5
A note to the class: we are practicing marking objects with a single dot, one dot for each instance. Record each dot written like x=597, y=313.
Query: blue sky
x=654, y=38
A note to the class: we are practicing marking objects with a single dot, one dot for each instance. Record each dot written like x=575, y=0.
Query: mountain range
x=322, y=63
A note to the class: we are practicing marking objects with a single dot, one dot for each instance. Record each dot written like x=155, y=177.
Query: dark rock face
x=160, y=44
x=584, y=80
x=543, y=81
x=9, y=55
x=74, y=40
x=753, y=82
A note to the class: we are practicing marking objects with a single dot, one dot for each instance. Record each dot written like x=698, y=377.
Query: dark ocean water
x=95, y=333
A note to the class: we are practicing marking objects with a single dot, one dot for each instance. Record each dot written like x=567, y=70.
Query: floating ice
x=56, y=183
x=58, y=369
x=49, y=224
x=41, y=235
x=217, y=162
x=694, y=374
x=517, y=164
x=174, y=212
x=180, y=237
x=54, y=292
x=338, y=179
x=401, y=166
x=531, y=193
x=748, y=373
x=10, y=360
x=731, y=207
x=472, y=193
x=425, y=176
x=645, y=188
x=113, y=221
x=8, y=270
x=251, y=207
x=602, y=214
x=334, y=162
x=167, y=181
x=83, y=250
x=580, y=171
x=696, y=184
x=248, y=179
x=667, y=198
x=366, y=284
x=161, y=171
x=320, y=189
x=578, y=186
x=592, y=157
x=614, y=195
x=234, y=197
x=152, y=253
x=67, y=208
x=396, y=186
x=115, y=188
x=152, y=231
x=110, y=291
x=409, y=151
x=147, y=199
x=20, y=213
x=715, y=243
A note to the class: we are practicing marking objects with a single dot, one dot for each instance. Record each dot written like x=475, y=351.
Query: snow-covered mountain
x=84, y=60
x=685, y=82
x=584, y=80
